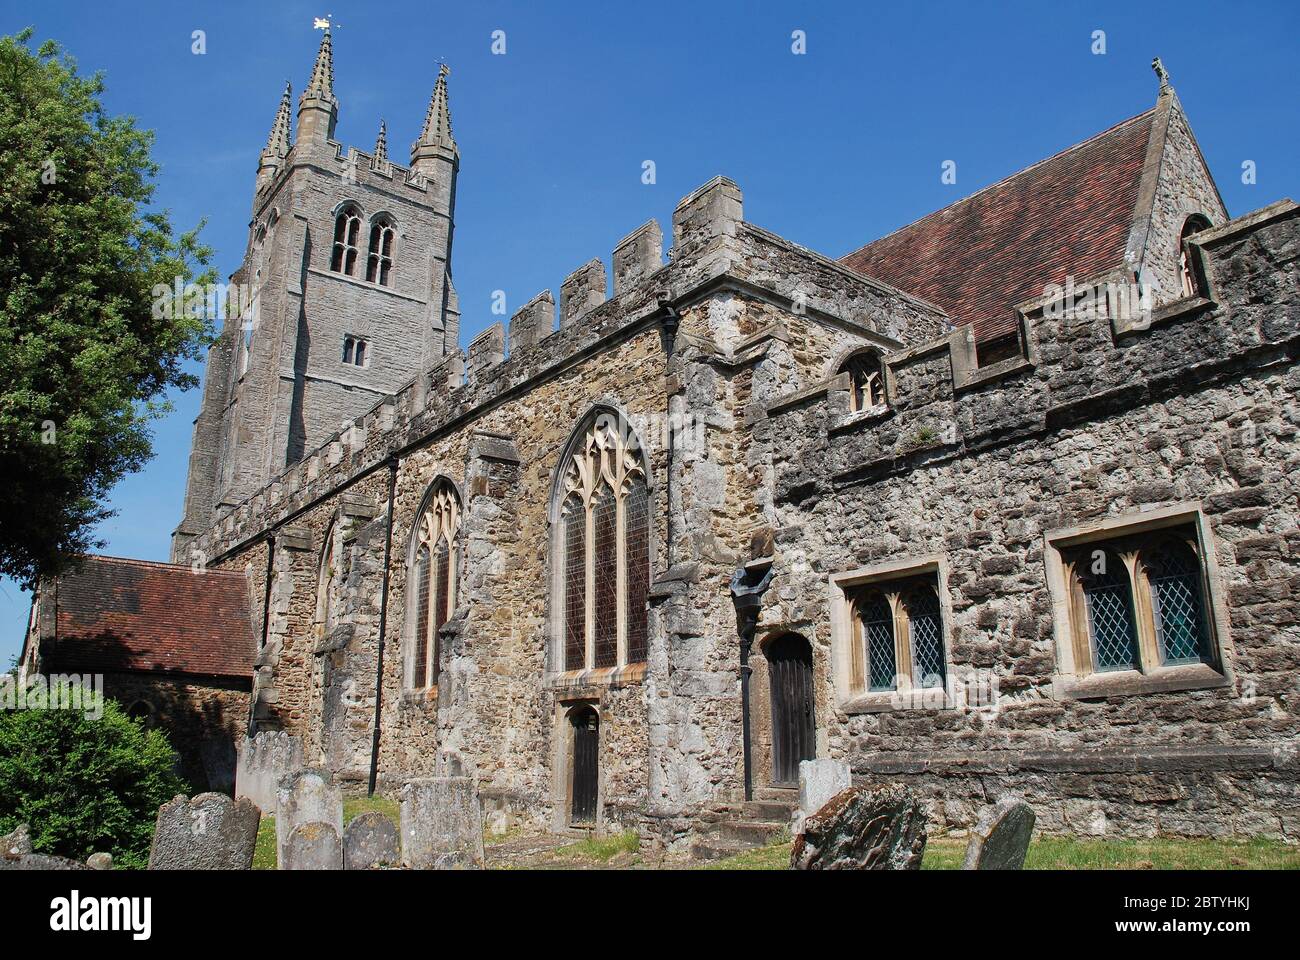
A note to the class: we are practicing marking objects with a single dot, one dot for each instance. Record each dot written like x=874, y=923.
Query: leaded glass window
x=878, y=634
x=1177, y=609
x=1109, y=598
x=1139, y=602
x=926, y=636
x=605, y=559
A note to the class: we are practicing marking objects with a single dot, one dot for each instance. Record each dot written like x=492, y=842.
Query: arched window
x=347, y=235
x=603, y=548
x=433, y=579
x=1108, y=599
x=877, y=617
x=1189, y=270
x=866, y=381
x=328, y=581
x=1177, y=604
x=379, y=263
x=926, y=636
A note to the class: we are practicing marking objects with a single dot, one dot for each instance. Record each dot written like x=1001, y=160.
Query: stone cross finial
x=1163, y=74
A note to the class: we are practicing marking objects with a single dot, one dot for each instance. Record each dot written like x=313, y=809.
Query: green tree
x=84, y=785
x=85, y=359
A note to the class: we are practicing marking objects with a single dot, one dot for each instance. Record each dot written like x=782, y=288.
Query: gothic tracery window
x=866, y=383
x=347, y=233
x=433, y=579
x=328, y=581
x=379, y=263
x=604, y=550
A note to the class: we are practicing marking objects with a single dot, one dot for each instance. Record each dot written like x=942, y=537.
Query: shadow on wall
x=201, y=716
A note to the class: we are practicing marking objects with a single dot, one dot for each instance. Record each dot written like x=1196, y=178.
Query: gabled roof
x=115, y=615
x=982, y=256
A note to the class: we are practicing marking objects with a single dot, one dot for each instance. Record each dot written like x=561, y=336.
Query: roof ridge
x=1023, y=170
x=159, y=563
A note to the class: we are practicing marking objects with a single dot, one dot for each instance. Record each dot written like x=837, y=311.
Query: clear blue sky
x=831, y=148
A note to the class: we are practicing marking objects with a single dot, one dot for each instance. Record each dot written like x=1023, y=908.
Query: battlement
x=1076, y=365
x=712, y=246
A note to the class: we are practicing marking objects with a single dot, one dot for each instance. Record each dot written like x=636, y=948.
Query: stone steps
x=732, y=828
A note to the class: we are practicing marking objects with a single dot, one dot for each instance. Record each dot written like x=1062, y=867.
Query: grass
x=1070, y=853
x=264, y=857
x=601, y=849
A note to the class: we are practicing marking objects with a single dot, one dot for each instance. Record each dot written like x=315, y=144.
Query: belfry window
x=355, y=350
x=347, y=234
x=379, y=263
x=433, y=580
x=604, y=549
x=866, y=381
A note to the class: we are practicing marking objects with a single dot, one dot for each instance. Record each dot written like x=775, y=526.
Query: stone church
x=1004, y=501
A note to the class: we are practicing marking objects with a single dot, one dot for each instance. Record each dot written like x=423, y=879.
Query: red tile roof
x=118, y=615
x=982, y=256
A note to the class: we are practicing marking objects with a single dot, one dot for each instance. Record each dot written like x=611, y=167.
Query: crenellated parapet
x=1086, y=356
x=714, y=251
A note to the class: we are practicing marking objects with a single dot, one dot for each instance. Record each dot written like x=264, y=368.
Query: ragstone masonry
x=732, y=366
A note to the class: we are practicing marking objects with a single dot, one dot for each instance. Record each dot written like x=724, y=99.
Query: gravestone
x=369, y=840
x=40, y=861
x=210, y=832
x=442, y=824
x=819, y=781
x=307, y=796
x=18, y=843
x=863, y=829
x=262, y=763
x=313, y=846
x=1000, y=838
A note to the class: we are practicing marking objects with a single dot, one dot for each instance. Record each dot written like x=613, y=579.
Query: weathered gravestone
x=819, y=781
x=18, y=843
x=263, y=762
x=1000, y=838
x=210, y=832
x=40, y=861
x=369, y=840
x=313, y=846
x=442, y=824
x=863, y=829
x=307, y=796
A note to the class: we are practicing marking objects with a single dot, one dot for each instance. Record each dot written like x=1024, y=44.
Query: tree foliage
x=84, y=785
x=85, y=360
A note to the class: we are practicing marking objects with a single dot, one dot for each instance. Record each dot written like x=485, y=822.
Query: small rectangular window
x=355, y=350
x=1139, y=601
x=897, y=635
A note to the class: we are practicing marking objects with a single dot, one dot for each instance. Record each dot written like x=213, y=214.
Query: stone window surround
x=845, y=635
x=1073, y=682
x=587, y=681
x=445, y=489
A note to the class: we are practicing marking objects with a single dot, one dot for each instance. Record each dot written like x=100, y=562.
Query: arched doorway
x=794, y=731
x=586, y=766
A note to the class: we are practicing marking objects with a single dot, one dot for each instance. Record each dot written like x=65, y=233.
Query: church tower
x=346, y=295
